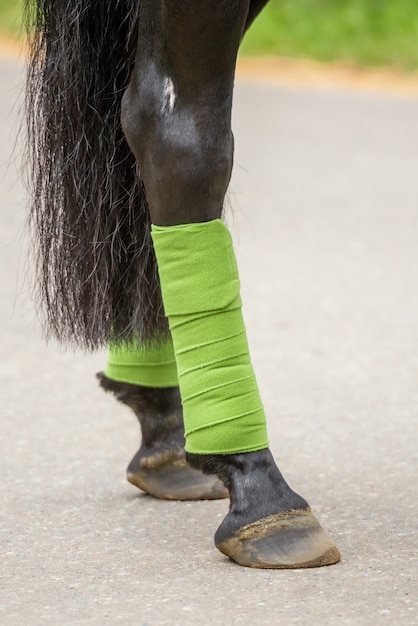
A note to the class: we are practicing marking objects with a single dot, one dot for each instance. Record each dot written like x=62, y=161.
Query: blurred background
x=369, y=32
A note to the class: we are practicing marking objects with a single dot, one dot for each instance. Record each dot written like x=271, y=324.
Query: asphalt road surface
x=324, y=211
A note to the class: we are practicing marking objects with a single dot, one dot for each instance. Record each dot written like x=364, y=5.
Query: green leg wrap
x=223, y=413
x=150, y=366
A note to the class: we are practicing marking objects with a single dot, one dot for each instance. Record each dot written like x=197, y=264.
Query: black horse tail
x=96, y=270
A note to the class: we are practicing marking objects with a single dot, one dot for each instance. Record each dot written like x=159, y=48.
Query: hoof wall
x=177, y=481
x=289, y=540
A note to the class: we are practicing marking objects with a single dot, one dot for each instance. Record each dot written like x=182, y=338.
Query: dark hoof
x=176, y=480
x=159, y=467
x=289, y=540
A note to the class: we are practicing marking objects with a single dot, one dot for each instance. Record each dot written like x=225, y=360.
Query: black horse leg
x=177, y=119
x=159, y=467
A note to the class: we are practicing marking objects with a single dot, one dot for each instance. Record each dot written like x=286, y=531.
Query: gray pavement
x=323, y=207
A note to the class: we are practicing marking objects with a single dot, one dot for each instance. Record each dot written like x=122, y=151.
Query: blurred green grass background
x=10, y=17
x=366, y=32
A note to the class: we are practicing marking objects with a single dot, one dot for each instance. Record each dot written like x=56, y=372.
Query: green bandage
x=223, y=413
x=150, y=366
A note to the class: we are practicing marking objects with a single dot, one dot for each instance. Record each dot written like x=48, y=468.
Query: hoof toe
x=177, y=481
x=289, y=540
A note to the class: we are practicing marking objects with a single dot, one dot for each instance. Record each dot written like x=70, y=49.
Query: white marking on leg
x=169, y=95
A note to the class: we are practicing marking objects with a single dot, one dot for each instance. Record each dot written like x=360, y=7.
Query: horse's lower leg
x=176, y=116
x=145, y=380
x=268, y=524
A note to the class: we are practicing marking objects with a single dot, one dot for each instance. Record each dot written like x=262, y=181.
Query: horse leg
x=145, y=380
x=159, y=466
x=176, y=116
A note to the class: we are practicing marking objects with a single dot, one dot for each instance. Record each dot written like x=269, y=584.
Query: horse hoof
x=177, y=481
x=289, y=540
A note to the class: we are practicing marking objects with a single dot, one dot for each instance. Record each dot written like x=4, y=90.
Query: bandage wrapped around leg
x=151, y=365
x=223, y=413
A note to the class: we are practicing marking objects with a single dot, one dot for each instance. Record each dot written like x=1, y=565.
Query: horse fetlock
x=159, y=467
x=256, y=486
x=268, y=524
x=158, y=411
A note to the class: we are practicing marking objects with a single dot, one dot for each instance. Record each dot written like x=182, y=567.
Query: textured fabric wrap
x=150, y=366
x=223, y=413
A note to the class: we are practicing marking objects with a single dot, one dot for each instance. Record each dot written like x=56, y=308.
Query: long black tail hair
x=96, y=270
